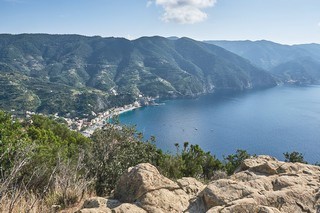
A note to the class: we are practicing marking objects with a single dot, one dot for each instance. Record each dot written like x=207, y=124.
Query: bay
x=271, y=122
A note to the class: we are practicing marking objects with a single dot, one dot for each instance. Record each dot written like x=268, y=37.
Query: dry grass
x=30, y=203
x=67, y=187
x=25, y=203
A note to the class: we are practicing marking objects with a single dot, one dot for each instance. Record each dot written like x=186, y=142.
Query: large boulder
x=144, y=185
x=264, y=184
x=139, y=180
x=143, y=189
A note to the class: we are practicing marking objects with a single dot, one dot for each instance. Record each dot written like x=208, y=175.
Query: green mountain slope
x=77, y=74
x=267, y=54
x=300, y=71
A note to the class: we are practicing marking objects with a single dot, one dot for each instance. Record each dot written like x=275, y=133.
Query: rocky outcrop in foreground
x=261, y=184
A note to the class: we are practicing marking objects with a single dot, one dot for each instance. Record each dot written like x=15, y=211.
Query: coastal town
x=87, y=126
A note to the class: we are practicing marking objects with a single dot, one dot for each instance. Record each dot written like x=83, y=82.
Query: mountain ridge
x=265, y=54
x=84, y=71
x=282, y=61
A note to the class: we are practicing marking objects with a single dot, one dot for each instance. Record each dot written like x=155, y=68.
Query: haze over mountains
x=296, y=64
x=77, y=74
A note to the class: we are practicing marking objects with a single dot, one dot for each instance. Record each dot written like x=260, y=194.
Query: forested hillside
x=73, y=75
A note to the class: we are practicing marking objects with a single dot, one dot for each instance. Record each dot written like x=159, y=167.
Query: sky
x=281, y=21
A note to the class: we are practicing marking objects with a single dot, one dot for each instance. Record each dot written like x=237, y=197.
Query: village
x=87, y=126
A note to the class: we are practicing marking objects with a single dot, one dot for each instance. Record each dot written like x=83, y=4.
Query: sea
x=270, y=122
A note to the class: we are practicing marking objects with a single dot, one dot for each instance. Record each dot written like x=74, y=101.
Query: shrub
x=33, y=157
x=294, y=157
x=233, y=161
x=192, y=161
x=114, y=149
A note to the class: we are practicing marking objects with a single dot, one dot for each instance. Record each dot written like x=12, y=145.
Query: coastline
x=100, y=121
x=127, y=110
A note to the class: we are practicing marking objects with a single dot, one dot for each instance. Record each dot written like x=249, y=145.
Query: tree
x=193, y=158
x=113, y=150
x=233, y=161
x=294, y=157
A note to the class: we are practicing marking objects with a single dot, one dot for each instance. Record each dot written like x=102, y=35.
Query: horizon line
x=150, y=36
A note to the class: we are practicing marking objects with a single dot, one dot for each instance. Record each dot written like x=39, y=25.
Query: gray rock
x=264, y=184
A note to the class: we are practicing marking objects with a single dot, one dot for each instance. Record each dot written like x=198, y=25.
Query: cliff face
x=261, y=184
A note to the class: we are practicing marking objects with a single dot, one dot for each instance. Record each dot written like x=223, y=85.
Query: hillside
x=73, y=75
x=300, y=71
x=313, y=49
x=297, y=64
x=267, y=54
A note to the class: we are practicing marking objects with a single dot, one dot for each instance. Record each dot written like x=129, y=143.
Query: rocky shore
x=261, y=184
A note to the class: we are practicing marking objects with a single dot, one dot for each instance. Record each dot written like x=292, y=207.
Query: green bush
x=114, y=149
x=38, y=144
x=233, y=161
x=12, y=140
x=192, y=161
x=294, y=157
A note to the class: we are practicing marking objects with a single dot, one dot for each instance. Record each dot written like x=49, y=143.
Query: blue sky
x=282, y=21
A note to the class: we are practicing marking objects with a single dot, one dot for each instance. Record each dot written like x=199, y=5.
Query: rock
x=191, y=186
x=224, y=191
x=99, y=205
x=127, y=207
x=244, y=208
x=264, y=184
x=263, y=165
x=144, y=185
x=219, y=175
x=261, y=185
x=265, y=209
x=95, y=202
x=95, y=210
x=164, y=200
x=139, y=180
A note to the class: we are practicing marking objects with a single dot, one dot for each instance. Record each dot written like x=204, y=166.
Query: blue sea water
x=271, y=122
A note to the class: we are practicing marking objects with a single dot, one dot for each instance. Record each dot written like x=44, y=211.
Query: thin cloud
x=184, y=11
x=149, y=3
